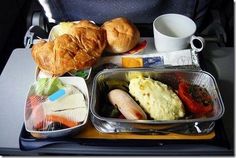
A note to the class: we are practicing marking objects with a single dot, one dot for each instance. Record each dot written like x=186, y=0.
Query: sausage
x=126, y=104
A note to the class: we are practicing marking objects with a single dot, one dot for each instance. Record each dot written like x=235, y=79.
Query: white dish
x=40, y=74
x=81, y=85
x=54, y=31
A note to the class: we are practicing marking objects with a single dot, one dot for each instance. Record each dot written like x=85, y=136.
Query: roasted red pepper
x=197, y=99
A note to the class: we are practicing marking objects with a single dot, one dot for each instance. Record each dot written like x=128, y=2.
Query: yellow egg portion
x=156, y=98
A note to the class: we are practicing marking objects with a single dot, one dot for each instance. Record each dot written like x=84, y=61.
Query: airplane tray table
x=91, y=137
x=94, y=143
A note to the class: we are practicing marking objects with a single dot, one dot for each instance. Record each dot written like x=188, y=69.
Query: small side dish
x=54, y=104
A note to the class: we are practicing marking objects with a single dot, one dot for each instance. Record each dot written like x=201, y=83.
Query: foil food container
x=171, y=77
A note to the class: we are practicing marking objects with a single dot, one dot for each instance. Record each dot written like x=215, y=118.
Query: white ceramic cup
x=174, y=32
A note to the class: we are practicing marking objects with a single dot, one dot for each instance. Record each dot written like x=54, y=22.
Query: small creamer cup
x=174, y=32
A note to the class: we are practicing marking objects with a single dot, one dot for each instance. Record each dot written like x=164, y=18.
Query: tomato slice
x=192, y=105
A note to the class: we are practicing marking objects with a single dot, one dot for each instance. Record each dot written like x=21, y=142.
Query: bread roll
x=122, y=35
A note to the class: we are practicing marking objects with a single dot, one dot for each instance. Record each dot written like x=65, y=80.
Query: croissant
x=79, y=48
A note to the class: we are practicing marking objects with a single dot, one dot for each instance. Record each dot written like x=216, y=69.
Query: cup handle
x=197, y=43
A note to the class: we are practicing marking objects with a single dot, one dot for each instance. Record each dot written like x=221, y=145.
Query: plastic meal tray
x=90, y=134
x=91, y=141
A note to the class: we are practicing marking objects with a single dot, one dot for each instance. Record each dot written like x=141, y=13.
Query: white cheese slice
x=77, y=115
x=72, y=101
x=72, y=106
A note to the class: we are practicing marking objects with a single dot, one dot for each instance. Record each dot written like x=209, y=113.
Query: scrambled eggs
x=156, y=98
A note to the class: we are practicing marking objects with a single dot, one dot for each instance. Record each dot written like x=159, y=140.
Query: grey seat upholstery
x=139, y=11
x=145, y=11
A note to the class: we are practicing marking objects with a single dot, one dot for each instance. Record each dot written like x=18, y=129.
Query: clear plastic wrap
x=56, y=104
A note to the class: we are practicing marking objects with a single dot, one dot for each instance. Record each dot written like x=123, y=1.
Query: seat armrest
x=33, y=34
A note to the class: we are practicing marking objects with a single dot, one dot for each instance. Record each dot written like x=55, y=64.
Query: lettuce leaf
x=48, y=86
